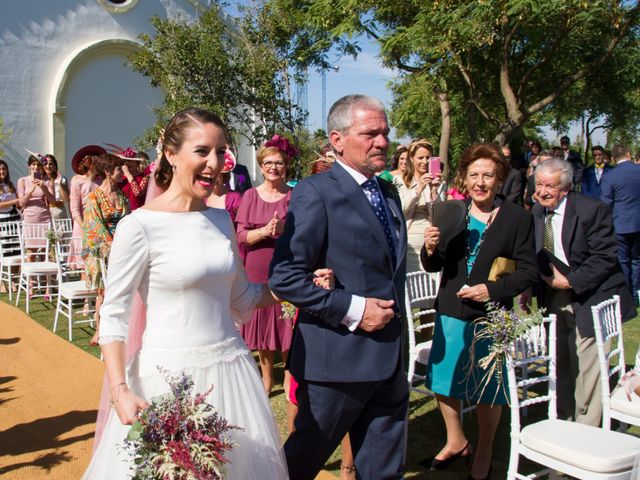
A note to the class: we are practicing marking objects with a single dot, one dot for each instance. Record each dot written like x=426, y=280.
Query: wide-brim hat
x=83, y=152
x=128, y=153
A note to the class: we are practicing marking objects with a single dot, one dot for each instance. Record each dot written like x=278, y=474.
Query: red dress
x=266, y=330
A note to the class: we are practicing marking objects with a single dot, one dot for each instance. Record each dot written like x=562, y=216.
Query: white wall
x=105, y=102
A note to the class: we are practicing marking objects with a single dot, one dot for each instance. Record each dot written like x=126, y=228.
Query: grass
x=426, y=429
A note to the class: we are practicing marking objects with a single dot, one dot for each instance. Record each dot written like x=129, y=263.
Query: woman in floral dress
x=105, y=207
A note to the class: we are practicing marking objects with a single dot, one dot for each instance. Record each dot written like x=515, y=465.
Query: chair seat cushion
x=583, y=446
x=14, y=260
x=620, y=403
x=77, y=288
x=39, y=267
x=422, y=352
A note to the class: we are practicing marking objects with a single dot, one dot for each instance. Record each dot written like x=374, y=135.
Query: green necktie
x=548, y=231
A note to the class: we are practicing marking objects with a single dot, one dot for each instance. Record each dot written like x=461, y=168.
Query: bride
x=181, y=256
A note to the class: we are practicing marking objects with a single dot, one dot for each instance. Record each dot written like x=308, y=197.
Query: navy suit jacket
x=592, y=252
x=590, y=185
x=330, y=223
x=621, y=191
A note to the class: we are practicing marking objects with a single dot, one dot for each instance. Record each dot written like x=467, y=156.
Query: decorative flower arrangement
x=179, y=436
x=288, y=314
x=501, y=327
x=282, y=144
x=129, y=153
x=53, y=238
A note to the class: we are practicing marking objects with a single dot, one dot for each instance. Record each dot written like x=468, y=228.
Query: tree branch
x=545, y=60
x=571, y=79
x=512, y=102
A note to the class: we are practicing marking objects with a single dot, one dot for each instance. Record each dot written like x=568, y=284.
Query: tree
x=234, y=67
x=4, y=136
x=502, y=63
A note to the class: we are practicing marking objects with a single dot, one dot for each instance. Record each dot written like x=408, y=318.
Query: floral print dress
x=100, y=220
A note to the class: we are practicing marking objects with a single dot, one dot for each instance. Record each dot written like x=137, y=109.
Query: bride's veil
x=137, y=323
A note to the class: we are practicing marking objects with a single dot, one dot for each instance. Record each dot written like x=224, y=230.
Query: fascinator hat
x=128, y=153
x=83, y=152
x=38, y=156
x=282, y=144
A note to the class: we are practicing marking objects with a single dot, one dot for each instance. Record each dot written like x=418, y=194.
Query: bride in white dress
x=182, y=258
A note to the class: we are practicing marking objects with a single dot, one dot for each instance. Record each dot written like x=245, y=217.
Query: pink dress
x=81, y=187
x=36, y=210
x=266, y=330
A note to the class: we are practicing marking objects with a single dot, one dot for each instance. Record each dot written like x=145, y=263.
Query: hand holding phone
x=434, y=166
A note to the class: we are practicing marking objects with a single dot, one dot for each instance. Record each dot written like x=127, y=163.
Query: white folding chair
x=607, y=324
x=63, y=226
x=71, y=287
x=10, y=258
x=34, y=249
x=578, y=450
x=420, y=288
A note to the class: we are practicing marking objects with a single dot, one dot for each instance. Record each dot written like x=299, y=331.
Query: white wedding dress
x=187, y=270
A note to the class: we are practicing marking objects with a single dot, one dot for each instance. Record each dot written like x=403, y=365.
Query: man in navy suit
x=621, y=191
x=593, y=175
x=346, y=351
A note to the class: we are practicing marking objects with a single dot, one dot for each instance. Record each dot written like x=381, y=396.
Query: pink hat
x=229, y=161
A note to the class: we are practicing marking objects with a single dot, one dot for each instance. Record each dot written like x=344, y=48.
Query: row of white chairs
x=47, y=267
x=578, y=450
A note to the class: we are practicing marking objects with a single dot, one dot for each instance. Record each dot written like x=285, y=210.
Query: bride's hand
x=127, y=405
x=324, y=277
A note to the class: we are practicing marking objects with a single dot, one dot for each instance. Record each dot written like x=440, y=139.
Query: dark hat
x=83, y=152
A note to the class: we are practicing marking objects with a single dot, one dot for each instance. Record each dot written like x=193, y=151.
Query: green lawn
x=426, y=429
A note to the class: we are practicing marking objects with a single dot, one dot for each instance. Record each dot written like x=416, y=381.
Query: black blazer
x=591, y=250
x=513, y=186
x=330, y=223
x=510, y=235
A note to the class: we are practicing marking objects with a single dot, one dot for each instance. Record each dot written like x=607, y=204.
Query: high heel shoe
x=488, y=477
x=434, y=463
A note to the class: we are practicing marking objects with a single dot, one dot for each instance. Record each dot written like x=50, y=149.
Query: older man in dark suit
x=577, y=257
x=621, y=191
x=347, y=347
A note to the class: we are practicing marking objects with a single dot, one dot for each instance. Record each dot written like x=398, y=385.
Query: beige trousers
x=578, y=373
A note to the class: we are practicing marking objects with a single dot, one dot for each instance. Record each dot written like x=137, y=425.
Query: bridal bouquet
x=179, y=436
x=500, y=328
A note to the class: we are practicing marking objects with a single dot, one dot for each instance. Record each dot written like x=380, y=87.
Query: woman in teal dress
x=494, y=228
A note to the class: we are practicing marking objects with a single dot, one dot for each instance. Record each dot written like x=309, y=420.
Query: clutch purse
x=500, y=267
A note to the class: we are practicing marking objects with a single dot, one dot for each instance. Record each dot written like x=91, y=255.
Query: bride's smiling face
x=199, y=160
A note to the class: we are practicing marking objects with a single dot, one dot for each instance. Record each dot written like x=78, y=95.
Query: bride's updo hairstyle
x=174, y=135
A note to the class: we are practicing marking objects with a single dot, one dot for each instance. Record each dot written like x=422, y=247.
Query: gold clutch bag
x=501, y=266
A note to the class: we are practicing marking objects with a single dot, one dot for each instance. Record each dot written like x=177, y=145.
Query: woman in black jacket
x=494, y=228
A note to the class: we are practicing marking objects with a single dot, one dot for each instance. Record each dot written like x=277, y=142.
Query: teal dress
x=449, y=371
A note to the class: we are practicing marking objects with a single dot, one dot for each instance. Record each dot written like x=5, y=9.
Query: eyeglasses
x=273, y=164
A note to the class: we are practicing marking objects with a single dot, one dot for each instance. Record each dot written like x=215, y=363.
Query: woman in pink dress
x=260, y=222
x=82, y=185
x=34, y=192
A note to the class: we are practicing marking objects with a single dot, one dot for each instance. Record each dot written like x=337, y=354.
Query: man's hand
x=556, y=280
x=377, y=313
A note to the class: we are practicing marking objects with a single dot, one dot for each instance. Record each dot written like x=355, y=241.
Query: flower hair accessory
x=282, y=144
x=229, y=161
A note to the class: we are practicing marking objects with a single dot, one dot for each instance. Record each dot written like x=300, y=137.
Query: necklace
x=471, y=255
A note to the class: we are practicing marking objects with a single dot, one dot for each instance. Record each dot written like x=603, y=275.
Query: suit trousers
x=578, y=373
x=373, y=413
x=629, y=258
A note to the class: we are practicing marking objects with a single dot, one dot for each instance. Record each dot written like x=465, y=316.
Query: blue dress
x=449, y=371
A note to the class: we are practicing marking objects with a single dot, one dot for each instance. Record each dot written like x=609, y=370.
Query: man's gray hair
x=340, y=114
x=558, y=165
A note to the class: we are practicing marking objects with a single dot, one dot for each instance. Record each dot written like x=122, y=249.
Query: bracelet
x=112, y=402
x=348, y=468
